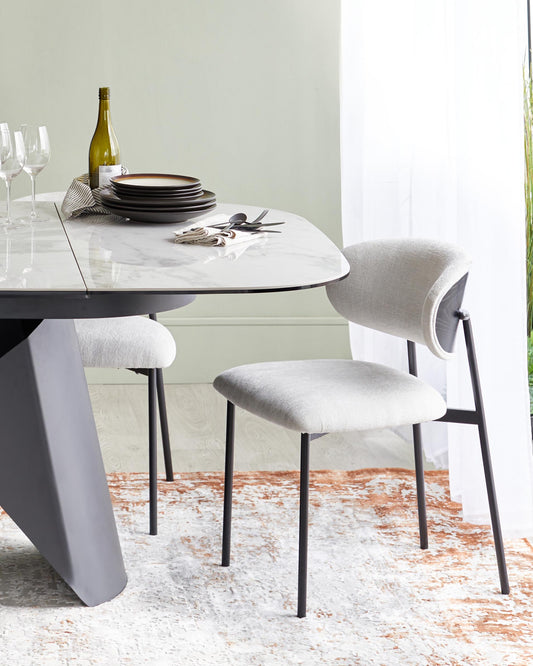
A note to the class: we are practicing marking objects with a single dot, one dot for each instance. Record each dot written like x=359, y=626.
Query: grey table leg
x=52, y=479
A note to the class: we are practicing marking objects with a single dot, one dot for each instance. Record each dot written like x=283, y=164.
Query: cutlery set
x=240, y=222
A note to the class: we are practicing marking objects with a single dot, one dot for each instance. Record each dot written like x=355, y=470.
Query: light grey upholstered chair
x=142, y=345
x=410, y=288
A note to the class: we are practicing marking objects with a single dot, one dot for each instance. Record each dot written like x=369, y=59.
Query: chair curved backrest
x=408, y=287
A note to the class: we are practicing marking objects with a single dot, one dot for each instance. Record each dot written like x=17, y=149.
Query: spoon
x=237, y=218
x=240, y=219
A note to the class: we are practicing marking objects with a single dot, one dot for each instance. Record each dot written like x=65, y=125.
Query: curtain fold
x=432, y=146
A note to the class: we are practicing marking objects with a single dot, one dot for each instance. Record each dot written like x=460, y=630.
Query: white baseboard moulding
x=208, y=345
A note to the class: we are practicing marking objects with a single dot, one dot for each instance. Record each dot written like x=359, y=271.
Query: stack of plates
x=157, y=197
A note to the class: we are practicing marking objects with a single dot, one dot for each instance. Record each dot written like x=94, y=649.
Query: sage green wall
x=241, y=93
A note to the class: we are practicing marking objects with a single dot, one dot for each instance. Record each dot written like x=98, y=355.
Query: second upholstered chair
x=145, y=346
x=409, y=288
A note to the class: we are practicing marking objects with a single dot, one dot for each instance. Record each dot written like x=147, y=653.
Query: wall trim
x=251, y=321
x=208, y=345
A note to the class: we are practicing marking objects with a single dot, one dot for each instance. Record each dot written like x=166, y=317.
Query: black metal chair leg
x=419, y=459
x=163, y=419
x=304, y=521
x=165, y=436
x=485, y=452
x=152, y=449
x=420, y=487
x=169, y=472
x=228, y=484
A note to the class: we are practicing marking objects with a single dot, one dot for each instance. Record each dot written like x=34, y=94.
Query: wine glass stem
x=8, y=199
x=33, y=211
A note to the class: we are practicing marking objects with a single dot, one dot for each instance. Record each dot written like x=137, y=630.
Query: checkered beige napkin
x=81, y=199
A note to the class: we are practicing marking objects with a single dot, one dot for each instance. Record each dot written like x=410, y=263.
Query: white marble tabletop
x=37, y=257
x=106, y=253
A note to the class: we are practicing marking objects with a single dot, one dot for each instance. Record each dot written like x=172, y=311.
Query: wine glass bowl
x=37, y=147
x=12, y=158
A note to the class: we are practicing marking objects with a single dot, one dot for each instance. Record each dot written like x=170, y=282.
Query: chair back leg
x=419, y=459
x=228, y=484
x=485, y=451
x=304, y=522
x=152, y=449
x=163, y=420
x=420, y=486
x=169, y=472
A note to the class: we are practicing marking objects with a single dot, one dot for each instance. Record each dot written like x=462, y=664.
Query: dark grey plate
x=123, y=205
x=157, y=196
x=158, y=216
x=204, y=197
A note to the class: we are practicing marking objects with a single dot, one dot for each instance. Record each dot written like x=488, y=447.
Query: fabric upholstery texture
x=397, y=285
x=330, y=395
x=124, y=342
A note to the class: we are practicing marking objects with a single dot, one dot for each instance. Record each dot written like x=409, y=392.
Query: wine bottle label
x=105, y=173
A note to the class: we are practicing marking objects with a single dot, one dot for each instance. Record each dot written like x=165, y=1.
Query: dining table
x=55, y=269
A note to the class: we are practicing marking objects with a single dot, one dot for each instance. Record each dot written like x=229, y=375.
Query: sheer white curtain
x=432, y=146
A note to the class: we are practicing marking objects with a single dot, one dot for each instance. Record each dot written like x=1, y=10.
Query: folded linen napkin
x=214, y=237
x=80, y=199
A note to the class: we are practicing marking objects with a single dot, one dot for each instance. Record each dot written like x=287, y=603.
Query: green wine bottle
x=104, y=152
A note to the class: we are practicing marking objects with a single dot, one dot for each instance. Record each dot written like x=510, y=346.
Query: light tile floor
x=196, y=415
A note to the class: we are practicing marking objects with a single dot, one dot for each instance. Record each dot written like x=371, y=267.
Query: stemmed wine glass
x=37, y=146
x=12, y=157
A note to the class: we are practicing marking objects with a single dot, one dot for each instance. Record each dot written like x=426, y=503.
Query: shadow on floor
x=27, y=580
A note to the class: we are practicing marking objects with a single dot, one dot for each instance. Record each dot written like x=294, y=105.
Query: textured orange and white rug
x=374, y=596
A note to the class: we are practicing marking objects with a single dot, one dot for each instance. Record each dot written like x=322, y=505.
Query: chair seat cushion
x=125, y=342
x=330, y=395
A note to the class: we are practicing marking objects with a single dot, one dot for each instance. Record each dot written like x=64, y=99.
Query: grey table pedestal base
x=52, y=479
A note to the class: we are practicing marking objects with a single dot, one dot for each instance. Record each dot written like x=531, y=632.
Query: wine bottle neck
x=104, y=112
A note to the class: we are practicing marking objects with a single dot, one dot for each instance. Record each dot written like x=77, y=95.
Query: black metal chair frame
x=156, y=392
x=475, y=417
